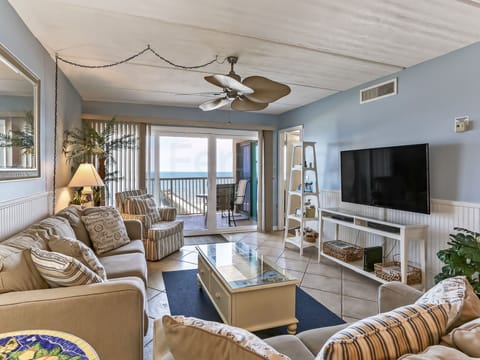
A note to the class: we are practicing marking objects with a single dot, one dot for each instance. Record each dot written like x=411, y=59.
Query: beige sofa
x=307, y=344
x=110, y=316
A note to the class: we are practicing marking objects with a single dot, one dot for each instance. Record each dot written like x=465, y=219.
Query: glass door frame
x=211, y=135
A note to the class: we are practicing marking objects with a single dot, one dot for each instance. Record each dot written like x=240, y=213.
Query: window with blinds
x=126, y=162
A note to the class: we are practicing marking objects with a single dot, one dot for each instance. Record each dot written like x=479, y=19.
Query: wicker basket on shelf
x=342, y=250
x=390, y=271
x=311, y=236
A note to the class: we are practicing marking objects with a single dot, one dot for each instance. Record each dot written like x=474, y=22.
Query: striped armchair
x=161, y=238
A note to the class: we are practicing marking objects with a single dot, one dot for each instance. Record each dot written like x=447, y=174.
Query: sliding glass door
x=209, y=176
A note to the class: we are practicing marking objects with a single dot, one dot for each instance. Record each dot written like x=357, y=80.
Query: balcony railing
x=187, y=195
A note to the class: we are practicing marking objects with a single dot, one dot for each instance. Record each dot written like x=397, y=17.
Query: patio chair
x=225, y=200
x=161, y=238
x=240, y=194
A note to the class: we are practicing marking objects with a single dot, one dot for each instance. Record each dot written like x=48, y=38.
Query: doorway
x=209, y=176
x=286, y=138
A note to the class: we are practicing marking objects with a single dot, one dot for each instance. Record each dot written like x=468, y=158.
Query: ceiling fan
x=251, y=94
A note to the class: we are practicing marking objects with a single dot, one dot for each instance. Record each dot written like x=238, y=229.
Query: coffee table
x=246, y=289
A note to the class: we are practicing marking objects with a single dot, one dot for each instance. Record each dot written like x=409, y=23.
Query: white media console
x=401, y=232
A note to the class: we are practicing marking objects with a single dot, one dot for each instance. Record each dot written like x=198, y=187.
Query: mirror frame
x=23, y=173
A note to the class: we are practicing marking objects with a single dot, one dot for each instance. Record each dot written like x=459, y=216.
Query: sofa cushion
x=466, y=338
x=314, y=339
x=408, y=329
x=79, y=251
x=118, y=266
x=74, y=215
x=438, y=352
x=17, y=271
x=290, y=346
x=134, y=246
x=143, y=205
x=106, y=228
x=186, y=336
x=458, y=292
x=26, y=240
x=54, y=225
x=62, y=270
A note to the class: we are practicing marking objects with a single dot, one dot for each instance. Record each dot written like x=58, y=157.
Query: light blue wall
x=430, y=96
x=16, y=37
x=16, y=103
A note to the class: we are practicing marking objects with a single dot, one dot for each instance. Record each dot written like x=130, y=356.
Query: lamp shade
x=86, y=175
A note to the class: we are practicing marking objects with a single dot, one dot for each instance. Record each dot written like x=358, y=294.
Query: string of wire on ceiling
x=130, y=58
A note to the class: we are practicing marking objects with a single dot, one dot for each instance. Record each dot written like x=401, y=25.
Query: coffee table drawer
x=221, y=297
x=204, y=272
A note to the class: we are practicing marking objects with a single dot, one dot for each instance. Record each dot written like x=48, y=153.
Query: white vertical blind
x=126, y=161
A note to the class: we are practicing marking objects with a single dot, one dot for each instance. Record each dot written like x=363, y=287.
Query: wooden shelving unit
x=303, y=170
x=400, y=232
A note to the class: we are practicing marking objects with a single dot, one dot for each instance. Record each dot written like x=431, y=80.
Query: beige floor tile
x=350, y=319
x=296, y=274
x=155, y=279
x=290, y=264
x=191, y=258
x=262, y=250
x=158, y=306
x=171, y=265
x=330, y=270
x=149, y=337
x=294, y=255
x=358, y=308
x=332, y=302
x=278, y=244
x=151, y=292
x=363, y=288
x=323, y=283
x=148, y=351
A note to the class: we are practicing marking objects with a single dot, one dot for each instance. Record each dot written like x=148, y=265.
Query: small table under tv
x=246, y=289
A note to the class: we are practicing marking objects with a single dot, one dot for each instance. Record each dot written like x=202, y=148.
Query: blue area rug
x=185, y=298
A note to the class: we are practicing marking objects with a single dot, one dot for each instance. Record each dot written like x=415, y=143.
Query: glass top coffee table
x=247, y=290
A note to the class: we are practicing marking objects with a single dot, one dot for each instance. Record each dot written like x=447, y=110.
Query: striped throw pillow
x=79, y=251
x=61, y=270
x=408, y=329
x=143, y=205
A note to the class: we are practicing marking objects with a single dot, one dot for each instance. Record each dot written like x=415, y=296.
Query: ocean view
x=188, y=174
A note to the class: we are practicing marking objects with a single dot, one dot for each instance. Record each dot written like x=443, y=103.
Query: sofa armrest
x=109, y=316
x=315, y=339
x=168, y=213
x=134, y=229
x=395, y=294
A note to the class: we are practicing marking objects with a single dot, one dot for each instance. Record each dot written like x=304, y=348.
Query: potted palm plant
x=462, y=257
x=88, y=145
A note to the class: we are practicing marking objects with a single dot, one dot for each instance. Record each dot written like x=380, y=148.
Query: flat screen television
x=395, y=177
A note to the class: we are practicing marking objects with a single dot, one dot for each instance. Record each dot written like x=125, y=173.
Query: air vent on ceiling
x=378, y=91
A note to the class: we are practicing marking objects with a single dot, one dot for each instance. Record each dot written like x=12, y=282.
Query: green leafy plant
x=88, y=145
x=23, y=139
x=462, y=257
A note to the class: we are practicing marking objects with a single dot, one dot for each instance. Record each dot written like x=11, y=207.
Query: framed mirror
x=19, y=119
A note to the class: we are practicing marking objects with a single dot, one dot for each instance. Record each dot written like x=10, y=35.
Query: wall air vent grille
x=378, y=91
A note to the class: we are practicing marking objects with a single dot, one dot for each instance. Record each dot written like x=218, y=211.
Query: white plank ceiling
x=317, y=47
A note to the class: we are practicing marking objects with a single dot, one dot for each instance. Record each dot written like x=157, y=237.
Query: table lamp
x=86, y=176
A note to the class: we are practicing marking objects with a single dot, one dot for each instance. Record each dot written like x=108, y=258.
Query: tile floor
x=344, y=292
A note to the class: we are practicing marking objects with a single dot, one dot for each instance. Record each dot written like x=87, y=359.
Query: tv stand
x=400, y=232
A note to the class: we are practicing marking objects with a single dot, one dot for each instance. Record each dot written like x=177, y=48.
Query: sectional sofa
x=110, y=316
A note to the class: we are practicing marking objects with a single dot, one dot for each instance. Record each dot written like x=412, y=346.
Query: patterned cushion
x=212, y=340
x=26, y=240
x=408, y=329
x=106, y=228
x=143, y=205
x=438, y=352
x=458, y=292
x=79, y=251
x=17, y=271
x=55, y=225
x=61, y=270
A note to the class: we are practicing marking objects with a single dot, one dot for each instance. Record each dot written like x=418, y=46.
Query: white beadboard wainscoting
x=15, y=215
x=445, y=215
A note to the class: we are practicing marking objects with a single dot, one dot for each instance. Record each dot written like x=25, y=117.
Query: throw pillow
x=207, y=340
x=54, y=225
x=79, y=251
x=61, y=270
x=73, y=214
x=466, y=338
x=106, y=228
x=143, y=205
x=458, y=292
x=437, y=352
x=408, y=329
x=17, y=271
